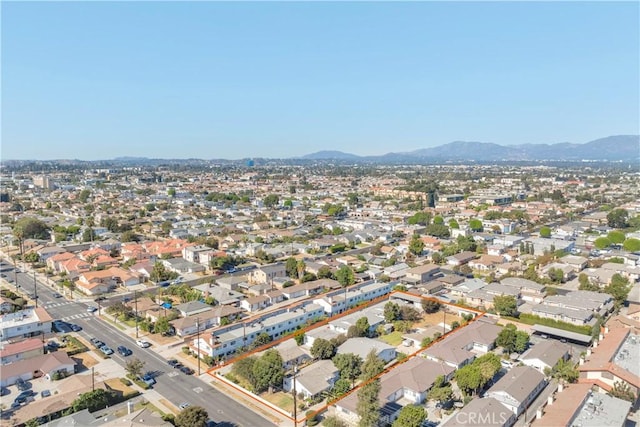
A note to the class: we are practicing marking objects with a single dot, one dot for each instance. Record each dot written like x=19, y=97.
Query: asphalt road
x=173, y=385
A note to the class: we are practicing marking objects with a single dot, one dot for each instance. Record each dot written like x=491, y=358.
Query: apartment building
x=25, y=323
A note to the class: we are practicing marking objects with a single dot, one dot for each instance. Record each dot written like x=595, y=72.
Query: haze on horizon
x=98, y=80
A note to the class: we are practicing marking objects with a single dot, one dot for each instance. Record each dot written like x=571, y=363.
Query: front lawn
x=394, y=338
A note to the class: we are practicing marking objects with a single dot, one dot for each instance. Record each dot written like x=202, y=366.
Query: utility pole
x=198, y=341
x=35, y=288
x=444, y=320
x=135, y=301
x=93, y=380
x=15, y=272
x=295, y=397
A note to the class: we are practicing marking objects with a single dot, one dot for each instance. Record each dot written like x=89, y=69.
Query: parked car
x=178, y=366
x=92, y=309
x=184, y=405
x=22, y=385
x=56, y=295
x=60, y=326
x=186, y=370
x=148, y=379
x=3, y=391
x=124, y=351
x=106, y=350
x=173, y=362
x=45, y=393
x=98, y=344
x=143, y=343
x=100, y=299
x=75, y=328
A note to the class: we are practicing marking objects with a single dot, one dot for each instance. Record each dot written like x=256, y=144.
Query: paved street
x=174, y=386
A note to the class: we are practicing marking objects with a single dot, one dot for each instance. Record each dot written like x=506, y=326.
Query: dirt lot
x=116, y=384
x=436, y=318
x=85, y=359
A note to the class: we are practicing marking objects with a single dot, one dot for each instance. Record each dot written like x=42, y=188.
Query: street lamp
x=198, y=341
x=135, y=301
x=35, y=288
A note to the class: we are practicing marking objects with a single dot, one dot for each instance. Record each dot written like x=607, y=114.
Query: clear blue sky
x=209, y=80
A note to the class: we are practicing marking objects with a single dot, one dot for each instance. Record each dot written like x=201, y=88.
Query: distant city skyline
x=99, y=80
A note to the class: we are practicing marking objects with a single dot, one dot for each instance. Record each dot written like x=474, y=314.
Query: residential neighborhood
x=307, y=295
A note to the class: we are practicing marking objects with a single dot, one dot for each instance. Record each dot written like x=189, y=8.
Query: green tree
x=32, y=257
x=323, y=349
x=92, y=400
x=621, y=390
x=410, y=416
x=262, y=339
x=324, y=272
x=505, y=305
x=84, y=195
x=468, y=379
x=162, y=325
x=545, y=232
x=349, y=365
x=368, y=406
x=340, y=387
x=475, y=224
x=618, y=288
x=345, y=276
x=430, y=306
x=585, y=283
x=268, y=371
x=193, y=416
x=333, y=421
x=244, y=368
x=134, y=367
x=556, y=275
x=437, y=230
x=271, y=200
x=420, y=218
x=372, y=366
x=160, y=273
x=453, y=224
x=391, y=311
x=618, y=218
x=602, y=243
x=616, y=237
x=441, y=391
x=631, y=245
x=416, y=245
x=291, y=267
x=565, y=370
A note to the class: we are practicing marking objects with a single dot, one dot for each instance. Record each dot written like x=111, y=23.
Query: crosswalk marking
x=198, y=389
x=76, y=316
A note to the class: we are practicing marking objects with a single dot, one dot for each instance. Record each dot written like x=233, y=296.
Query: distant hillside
x=612, y=148
x=330, y=155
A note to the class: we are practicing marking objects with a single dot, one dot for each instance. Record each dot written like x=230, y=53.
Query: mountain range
x=611, y=148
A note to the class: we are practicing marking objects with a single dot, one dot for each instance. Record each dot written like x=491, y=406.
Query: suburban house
x=313, y=379
x=486, y=412
x=518, y=388
x=35, y=367
x=407, y=383
x=25, y=323
x=210, y=318
x=461, y=346
x=545, y=355
x=192, y=308
x=25, y=349
x=266, y=273
x=292, y=354
x=421, y=274
x=461, y=258
x=100, y=281
x=363, y=346
x=335, y=302
x=255, y=303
